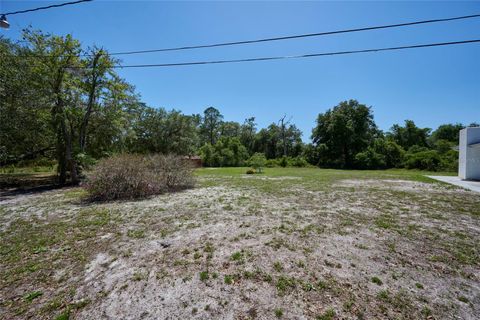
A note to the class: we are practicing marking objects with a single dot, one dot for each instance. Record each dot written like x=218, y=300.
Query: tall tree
x=410, y=135
x=247, y=135
x=55, y=60
x=342, y=132
x=210, y=126
x=448, y=132
x=230, y=129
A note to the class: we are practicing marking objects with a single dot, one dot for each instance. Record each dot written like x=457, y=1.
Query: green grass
x=326, y=174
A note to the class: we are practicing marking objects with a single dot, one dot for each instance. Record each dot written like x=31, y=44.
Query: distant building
x=469, y=154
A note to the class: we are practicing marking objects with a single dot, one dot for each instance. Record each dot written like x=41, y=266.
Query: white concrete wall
x=469, y=154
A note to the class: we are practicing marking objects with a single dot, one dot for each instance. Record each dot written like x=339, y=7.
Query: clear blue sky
x=431, y=86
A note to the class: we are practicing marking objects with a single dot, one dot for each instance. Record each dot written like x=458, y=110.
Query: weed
x=278, y=266
x=278, y=313
x=377, y=281
x=329, y=314
x=284, y=284
x=29, y=297
x=228, y=279
x=204, y=276
x=137, y=234
x=419, y=285
x=463, y=299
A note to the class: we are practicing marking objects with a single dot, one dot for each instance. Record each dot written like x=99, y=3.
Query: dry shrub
x=129, y=176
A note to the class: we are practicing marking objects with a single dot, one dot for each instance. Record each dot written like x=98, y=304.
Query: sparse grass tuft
x=278, y=313
x=377, y=281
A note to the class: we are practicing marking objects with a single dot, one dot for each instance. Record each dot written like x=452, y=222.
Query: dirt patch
x=398, y=185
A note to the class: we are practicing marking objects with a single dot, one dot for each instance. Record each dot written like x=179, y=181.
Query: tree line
x=64, y=103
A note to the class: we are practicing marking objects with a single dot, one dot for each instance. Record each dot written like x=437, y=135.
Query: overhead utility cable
x=318, y=34
x=311, y=55
x=44, y=8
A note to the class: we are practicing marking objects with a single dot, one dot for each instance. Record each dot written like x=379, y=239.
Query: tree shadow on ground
x=12, y=185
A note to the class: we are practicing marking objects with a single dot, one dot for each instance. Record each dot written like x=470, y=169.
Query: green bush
x=449, y=161
x=257, y=162
x=369, y=159
x=297, y=162
x=250, y=171
x=130, y=176
x=391, y=152
x=227, y=152
x=423, y=160
x=271, y=163
x=283, y=162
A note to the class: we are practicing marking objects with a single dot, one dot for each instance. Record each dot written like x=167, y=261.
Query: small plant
x=237, y=256
x=32, y=296
x=64, y=315
x=204, y=276
x=463, y=299
x=419, y=285
x=137, y=276
x=278, y=266
x=250, y=171
x=329, y=314
x=228, y=279
x=137, y=234
x=384, y=295
x=278, y=313
x=377, y=281
x=284, y=284
x=257, y=162
x=197, y=255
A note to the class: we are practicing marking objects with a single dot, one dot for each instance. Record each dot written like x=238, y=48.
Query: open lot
x=290, y=243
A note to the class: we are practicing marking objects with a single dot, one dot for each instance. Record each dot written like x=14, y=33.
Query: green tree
x=273, y=141
x=227, y=152
x=409, y=135
x=391, y=152
x=162, y=131
x=210, y=125
x=247, y=133
x=342, y=132
x=25, y=130
x=230, y=129
x=448, y=132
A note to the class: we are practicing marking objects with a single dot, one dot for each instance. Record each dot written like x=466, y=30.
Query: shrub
x=130, y=176
x=283, y=161
x=423, y=160
x=271, y=163
x=449, y=161
x=297, y=162
x=250, y=171
x=369, y=159
x=257, y=161
x=390, y=151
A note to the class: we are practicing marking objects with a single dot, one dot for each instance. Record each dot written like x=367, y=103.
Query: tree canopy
x=66, y=104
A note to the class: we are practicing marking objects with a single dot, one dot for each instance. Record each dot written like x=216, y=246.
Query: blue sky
x=431, y=86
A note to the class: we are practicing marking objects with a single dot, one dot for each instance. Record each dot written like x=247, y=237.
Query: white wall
x=469, y=154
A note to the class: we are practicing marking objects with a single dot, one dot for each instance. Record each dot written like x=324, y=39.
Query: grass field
x=290, y=243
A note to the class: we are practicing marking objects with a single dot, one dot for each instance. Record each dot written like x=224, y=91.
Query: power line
x=311, y=55
x=46, y=7
x=318, y=34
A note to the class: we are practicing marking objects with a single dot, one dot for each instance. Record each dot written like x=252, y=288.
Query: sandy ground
x=355, y=249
